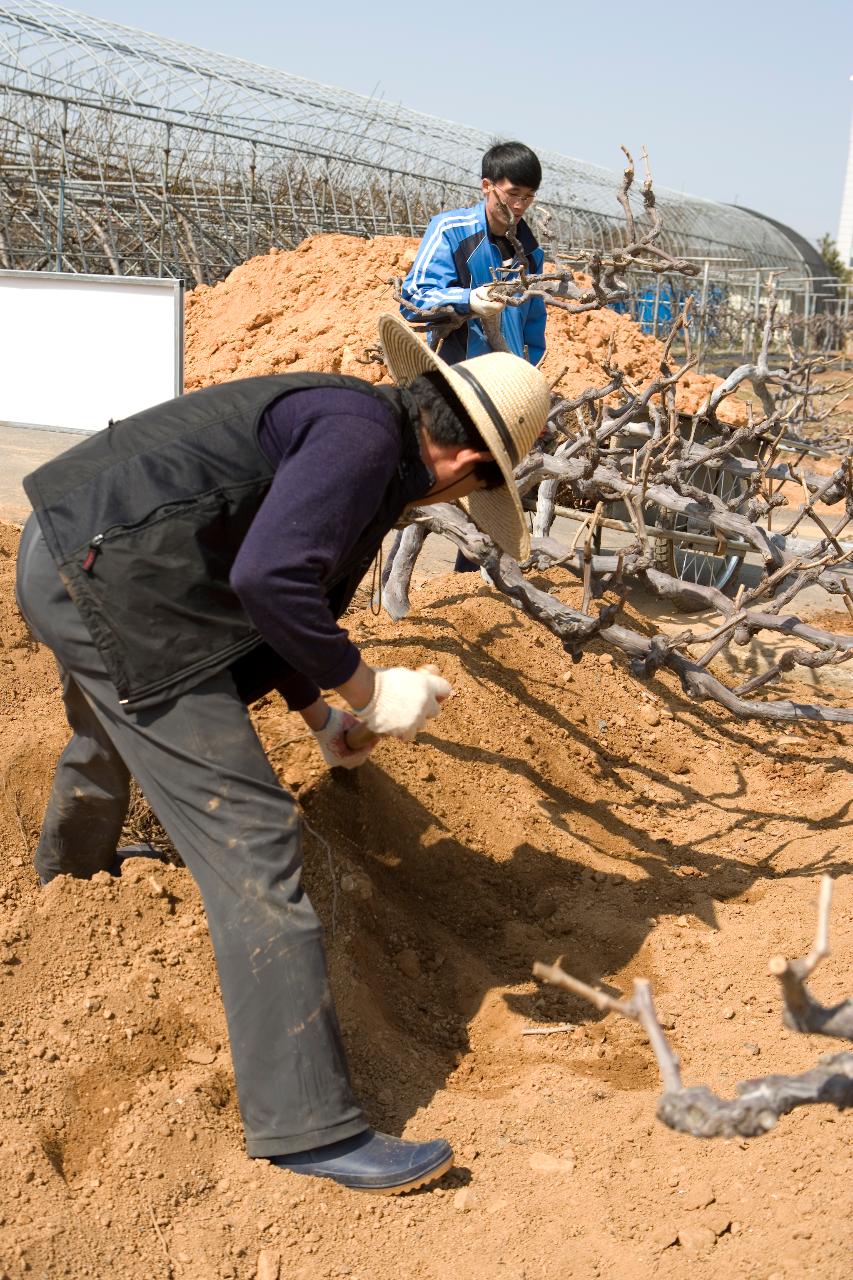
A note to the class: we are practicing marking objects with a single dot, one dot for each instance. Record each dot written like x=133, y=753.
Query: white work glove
x=331, y=740
x=404, y=700
x=482, y=305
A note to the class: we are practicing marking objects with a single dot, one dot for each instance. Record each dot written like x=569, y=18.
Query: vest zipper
x=92, y=553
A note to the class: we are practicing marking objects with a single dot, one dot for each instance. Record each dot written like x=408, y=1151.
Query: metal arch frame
x=136, y=152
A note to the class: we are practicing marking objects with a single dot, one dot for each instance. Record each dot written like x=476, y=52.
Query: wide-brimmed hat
x=508, y=401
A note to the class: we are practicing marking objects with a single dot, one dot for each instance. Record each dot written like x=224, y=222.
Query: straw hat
x=508, y=401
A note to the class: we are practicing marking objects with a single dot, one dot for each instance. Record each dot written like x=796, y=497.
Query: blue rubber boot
x=373, y=1161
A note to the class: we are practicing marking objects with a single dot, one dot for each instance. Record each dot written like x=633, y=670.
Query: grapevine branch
x=621, y=443
x=760, y=1102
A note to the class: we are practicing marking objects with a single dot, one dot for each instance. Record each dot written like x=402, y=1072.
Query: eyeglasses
x=513, y=198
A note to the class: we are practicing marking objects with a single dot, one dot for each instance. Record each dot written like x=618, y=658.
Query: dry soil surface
x=550, y=811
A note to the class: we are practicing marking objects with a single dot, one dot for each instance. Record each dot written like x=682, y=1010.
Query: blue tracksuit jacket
x=456, y=255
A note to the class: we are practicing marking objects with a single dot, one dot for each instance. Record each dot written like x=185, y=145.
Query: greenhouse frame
x=127, y=153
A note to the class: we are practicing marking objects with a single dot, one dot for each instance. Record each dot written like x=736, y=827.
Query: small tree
x=828, y=250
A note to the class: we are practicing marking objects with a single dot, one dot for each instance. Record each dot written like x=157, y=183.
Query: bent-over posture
x=189, y=559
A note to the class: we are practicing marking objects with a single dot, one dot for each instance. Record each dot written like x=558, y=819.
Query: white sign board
x=78, y=350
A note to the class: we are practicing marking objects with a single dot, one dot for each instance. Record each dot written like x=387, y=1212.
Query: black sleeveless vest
x=145, y=519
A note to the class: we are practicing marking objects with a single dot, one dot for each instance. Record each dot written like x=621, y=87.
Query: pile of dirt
x=551, y=810
x=316, y=307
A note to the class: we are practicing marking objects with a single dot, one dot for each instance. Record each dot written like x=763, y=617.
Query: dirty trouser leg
x=205, y=774
x=89, y=798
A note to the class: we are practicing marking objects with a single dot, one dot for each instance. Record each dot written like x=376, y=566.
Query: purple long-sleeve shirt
x=336, y=454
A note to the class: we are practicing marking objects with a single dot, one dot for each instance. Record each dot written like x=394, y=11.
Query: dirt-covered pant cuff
x=264, y=1148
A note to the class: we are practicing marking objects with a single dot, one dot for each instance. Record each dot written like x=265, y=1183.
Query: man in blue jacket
x=464, y=250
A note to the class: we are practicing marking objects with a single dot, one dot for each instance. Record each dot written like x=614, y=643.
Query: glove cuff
x=368, y=711
x=368, y=714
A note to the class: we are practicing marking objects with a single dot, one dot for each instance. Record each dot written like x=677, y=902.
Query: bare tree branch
x=759, y=1103
x=802, y=1011
x=625, y=445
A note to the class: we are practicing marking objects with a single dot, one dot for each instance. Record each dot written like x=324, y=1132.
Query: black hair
x=515, y=161
x=448, y=422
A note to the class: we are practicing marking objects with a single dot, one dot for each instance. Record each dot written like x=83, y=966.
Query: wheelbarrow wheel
x=705, y=566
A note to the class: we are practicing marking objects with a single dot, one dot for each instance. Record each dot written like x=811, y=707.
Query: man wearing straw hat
x=189, y=559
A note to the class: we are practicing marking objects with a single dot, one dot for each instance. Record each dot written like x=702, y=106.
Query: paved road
x=22, y=449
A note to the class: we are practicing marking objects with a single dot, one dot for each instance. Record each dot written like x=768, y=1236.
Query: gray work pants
x=202, y=768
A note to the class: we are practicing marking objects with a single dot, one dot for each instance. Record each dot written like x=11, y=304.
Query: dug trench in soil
x=551, y=810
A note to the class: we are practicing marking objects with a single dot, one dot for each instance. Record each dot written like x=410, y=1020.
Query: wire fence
x=728, y=308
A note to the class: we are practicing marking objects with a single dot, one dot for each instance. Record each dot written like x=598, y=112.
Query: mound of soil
x=316, y=307
x=550, y=811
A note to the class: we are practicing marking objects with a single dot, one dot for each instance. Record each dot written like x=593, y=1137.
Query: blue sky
x=748, y=102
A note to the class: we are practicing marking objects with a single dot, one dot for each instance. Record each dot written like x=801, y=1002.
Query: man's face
x=454, y=467
x=517, y=199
